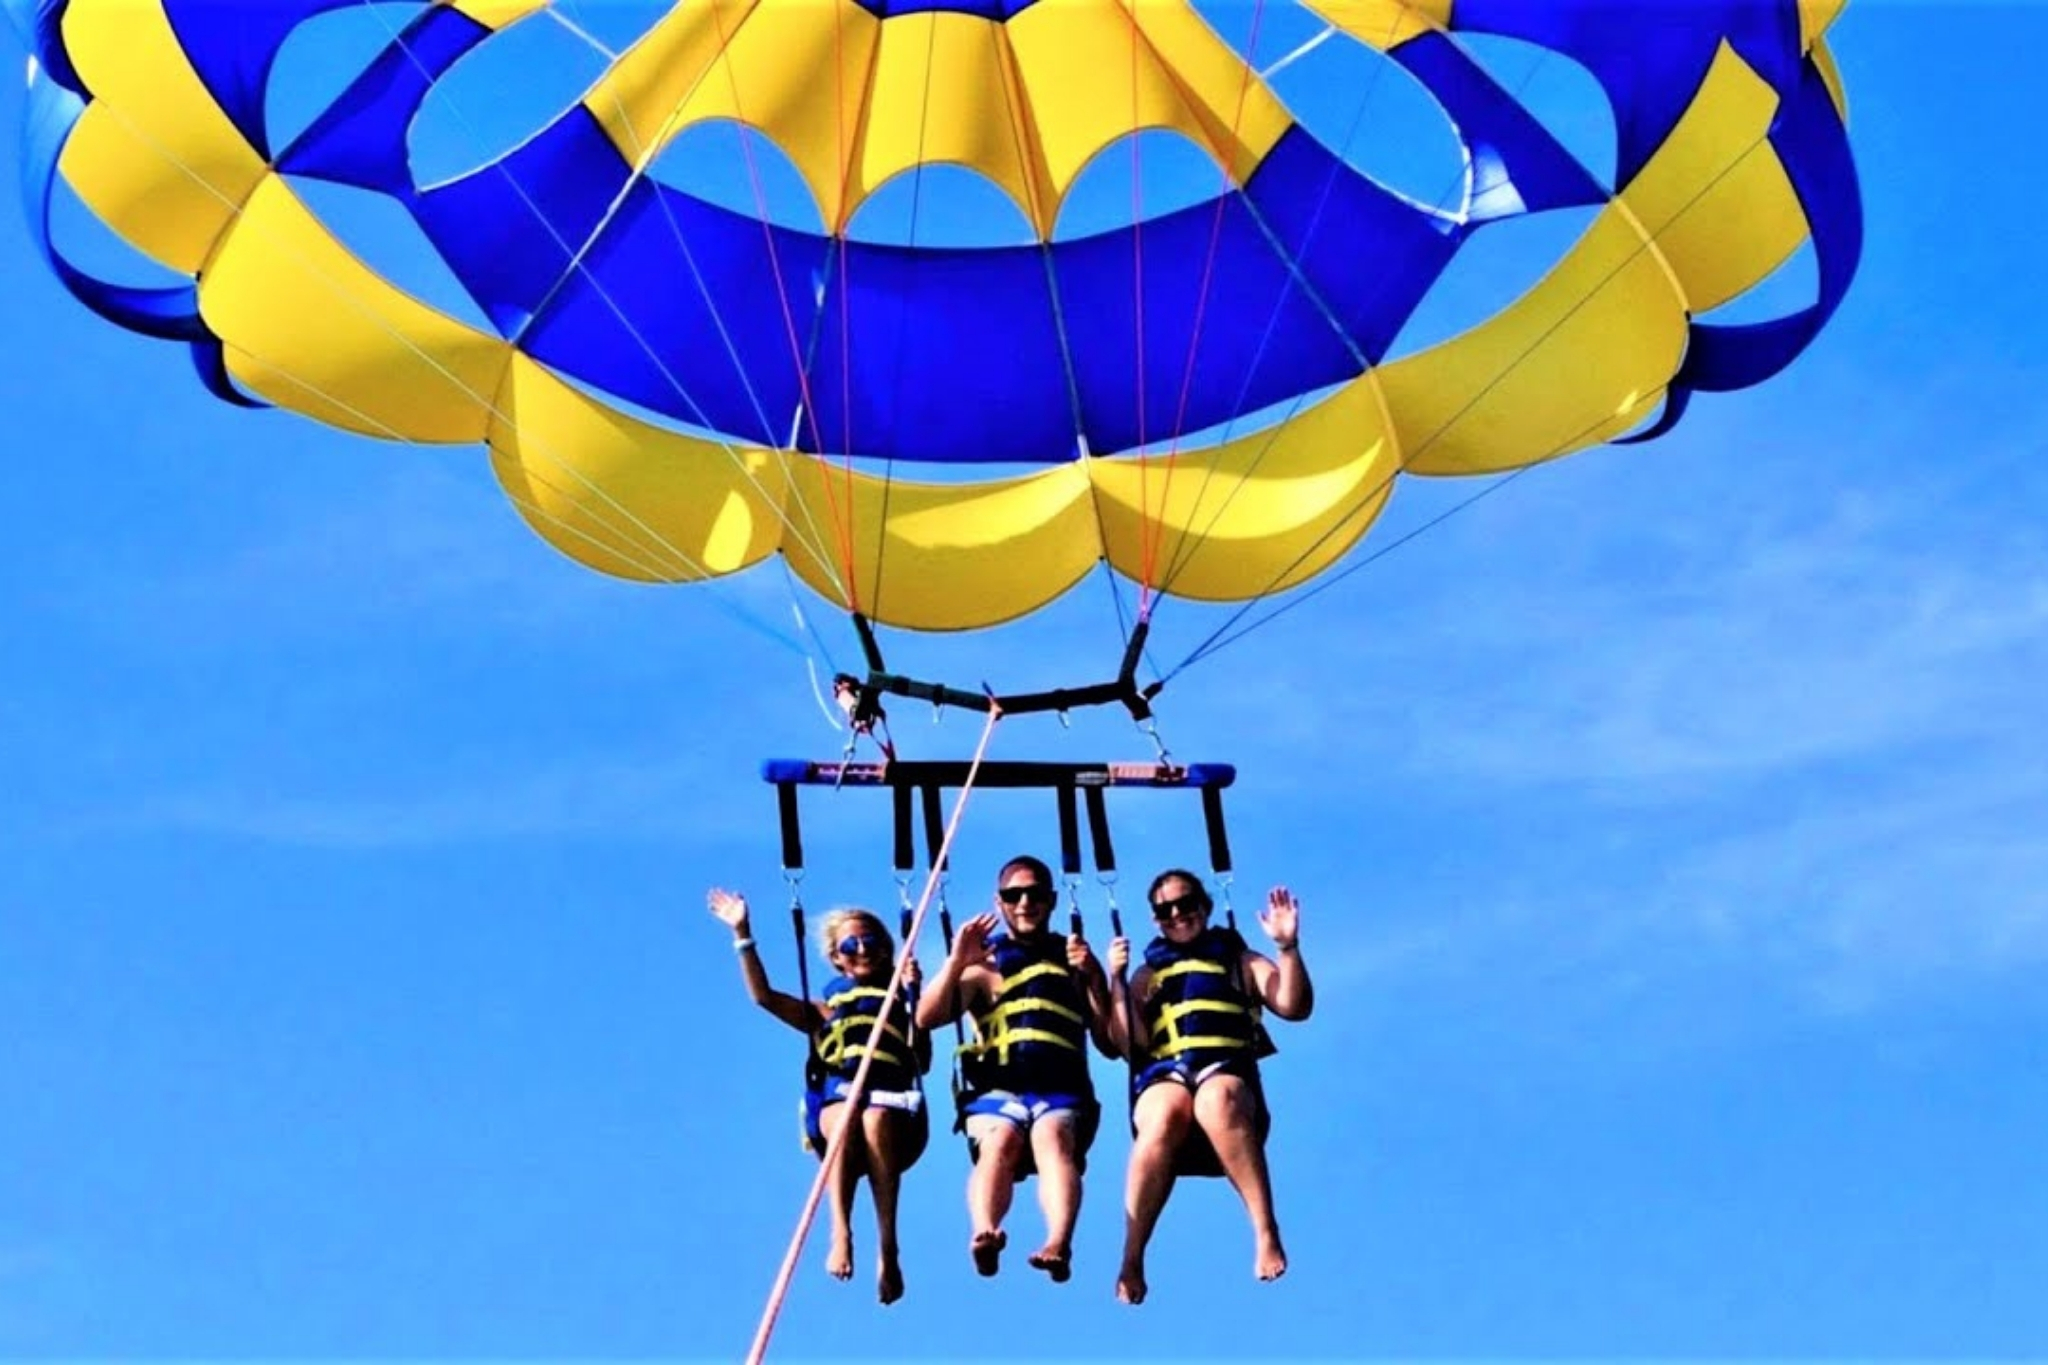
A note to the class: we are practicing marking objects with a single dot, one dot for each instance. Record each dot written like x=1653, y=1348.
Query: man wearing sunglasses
x=1028, y=1102
x=1190, y=1022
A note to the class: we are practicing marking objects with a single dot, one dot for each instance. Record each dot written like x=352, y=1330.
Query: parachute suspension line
x=1190, y=542
x=375, y=425
x=1013, y=106
x=577, y=27
x=1228, y=188
x=849, y=588
x=633, y=542
x=1145, y=531
x=1225, y=636
x=835, y=1151
x=576, y=267
x=843, y=144
x=803, y=620
x=1225, y=633
x=643, y=158
x=846, y=342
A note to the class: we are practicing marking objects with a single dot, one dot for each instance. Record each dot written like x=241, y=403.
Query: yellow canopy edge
x=1384, y=24
x=308, y=326
x=1256, y=514
x=945, y=556
x=626, y=498
x=152, y=155
x=1715, y=197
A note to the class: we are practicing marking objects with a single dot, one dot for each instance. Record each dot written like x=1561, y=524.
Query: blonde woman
x=891, y=1127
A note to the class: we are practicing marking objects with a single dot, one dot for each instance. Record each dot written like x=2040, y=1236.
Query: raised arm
x=949, y=993
x=1281, y=982
x=731, y=911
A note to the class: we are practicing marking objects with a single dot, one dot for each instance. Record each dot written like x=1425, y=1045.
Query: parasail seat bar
x=928, y=778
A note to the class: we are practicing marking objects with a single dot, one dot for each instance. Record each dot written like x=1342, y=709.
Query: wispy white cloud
x=1797, y=747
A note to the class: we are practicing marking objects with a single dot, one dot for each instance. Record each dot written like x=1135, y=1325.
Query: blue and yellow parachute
x=674, y=388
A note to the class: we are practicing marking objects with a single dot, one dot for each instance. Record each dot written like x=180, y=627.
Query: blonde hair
x=842, y=917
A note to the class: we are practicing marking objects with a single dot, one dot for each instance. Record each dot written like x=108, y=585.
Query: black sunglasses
x=1191, y=905
x=1031, y=891
x=859, y=943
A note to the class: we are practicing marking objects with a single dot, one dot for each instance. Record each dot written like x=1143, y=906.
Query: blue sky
x=1667, y=827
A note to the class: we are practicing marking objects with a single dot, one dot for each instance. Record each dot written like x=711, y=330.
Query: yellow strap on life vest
x=1188, y=965
x=1000, y=1015
x=1033, y=972
x=1171, y=1014
x=1175, y=1047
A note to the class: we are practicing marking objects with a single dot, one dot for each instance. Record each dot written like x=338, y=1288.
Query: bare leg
x=893, y=1145
x=1163, y=1114
x=1054, y=1139
x=991, y=1187
x=1228, y=1113
x=845, y=1175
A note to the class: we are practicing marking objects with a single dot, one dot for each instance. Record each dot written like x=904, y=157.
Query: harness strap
x=905, y=846
x=934, y=827
x=1098, y=829
x=1070, y=831
x=792, y=834
x=1219, y=837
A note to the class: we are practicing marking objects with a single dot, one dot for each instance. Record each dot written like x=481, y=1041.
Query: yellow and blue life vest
x=842, y=1039
x=1199, y=1011
x=1034, y=1035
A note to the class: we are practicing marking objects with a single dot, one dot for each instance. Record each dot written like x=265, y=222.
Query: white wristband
x=740, y=945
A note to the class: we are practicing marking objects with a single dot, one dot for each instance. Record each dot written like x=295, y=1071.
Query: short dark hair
x=1024, y=862
x=1200, y=891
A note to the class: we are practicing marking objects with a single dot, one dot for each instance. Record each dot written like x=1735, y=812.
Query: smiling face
x=1180, y=908
x=858, y=946
x=1025, y=897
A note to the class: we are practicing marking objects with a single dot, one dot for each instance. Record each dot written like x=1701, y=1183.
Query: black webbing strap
x=803, y=959
x=906, y=844
x=792, y=833
x=1098, y=830
x=1219, y=838
x=1070, y=831
x=934, y=826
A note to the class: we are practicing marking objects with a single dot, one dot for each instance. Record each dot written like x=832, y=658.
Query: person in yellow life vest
x=1027, y=1101
x=1190, y=1022
x=892, y=1125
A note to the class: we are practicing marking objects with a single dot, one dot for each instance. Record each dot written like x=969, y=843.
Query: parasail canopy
x=1211, y=398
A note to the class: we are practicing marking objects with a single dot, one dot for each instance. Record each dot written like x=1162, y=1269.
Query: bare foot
x=1270, y=1261
x=839, y=1257
x=1130, y=1283
x=889, y=1282
x=1055, y=1260
x=987, y=1250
